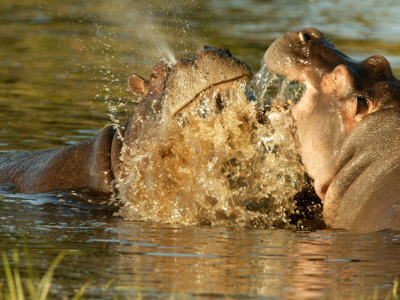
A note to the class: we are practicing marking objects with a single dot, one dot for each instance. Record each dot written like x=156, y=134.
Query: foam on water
x=214, y=167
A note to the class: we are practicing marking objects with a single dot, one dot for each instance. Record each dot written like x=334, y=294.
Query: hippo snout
x=378, y=68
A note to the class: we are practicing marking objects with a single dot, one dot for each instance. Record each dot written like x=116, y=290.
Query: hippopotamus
x=348, y=127
x=95, y=163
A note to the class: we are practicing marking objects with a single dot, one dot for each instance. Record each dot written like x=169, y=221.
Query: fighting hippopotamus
x=348, y=127
x=94, y=164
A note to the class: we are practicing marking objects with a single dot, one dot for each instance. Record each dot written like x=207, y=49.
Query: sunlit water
x=63, y=72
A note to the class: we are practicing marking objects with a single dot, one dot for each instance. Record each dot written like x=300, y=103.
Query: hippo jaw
x=340, y=92
x=306, y=56
x=337, y=117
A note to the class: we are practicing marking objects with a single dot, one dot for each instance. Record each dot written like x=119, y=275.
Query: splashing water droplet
x=171, y=57
x=268, y=88
x=223, y=169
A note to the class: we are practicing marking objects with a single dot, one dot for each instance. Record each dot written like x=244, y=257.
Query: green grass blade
x=18, y=285
x=30, y=281
x=82, y=290
x=44, y=285
x=17, y=277
x=30, y=286
x=395, y=296
x=10, y=280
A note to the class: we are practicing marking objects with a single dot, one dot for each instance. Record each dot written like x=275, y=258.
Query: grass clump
x=391, y=295
x=18, y=287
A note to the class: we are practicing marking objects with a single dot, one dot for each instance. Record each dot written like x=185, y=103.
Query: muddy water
x=63, y=68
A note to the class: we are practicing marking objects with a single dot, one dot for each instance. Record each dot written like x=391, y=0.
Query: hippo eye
x=362, y=105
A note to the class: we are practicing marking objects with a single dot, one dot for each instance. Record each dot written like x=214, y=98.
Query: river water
x=63, y=72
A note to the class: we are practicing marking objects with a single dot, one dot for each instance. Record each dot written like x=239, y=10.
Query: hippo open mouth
x=307, y=56
x=336, y=123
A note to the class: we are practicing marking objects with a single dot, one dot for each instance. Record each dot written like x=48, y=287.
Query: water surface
x=63, y=71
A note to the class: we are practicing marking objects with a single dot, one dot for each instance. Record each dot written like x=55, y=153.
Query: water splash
x=164, y=48
x=222, y=169
x=142, y=35
x=268, y=88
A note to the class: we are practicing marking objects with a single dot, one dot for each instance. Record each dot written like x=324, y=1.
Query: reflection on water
x=201, y=261
x=63, y=71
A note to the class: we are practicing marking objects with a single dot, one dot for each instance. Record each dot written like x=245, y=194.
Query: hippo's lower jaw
x=347, y=125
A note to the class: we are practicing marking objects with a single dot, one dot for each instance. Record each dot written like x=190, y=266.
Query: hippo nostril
x=304, y=37
x=313, y=33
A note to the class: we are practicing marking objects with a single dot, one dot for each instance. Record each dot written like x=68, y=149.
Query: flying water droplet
x=268, y=88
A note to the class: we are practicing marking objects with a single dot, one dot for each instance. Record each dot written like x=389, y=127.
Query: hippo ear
x=362, y=107
x=138, y=85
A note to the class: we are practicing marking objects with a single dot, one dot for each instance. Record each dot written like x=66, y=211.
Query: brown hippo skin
x=348, y=127
x=94, y=163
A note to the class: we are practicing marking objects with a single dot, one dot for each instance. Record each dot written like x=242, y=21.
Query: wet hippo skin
x=94, y=163
x=348, y=125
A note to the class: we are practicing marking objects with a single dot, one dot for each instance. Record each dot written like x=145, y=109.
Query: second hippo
x=348, y=125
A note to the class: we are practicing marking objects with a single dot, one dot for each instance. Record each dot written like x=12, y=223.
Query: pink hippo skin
x=348, y=126
x=94, y=163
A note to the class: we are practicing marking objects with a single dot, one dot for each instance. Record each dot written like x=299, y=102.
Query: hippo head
x=347, y=121
x=173, y=90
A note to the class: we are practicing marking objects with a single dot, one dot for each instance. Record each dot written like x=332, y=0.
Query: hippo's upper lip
x=304, y=55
